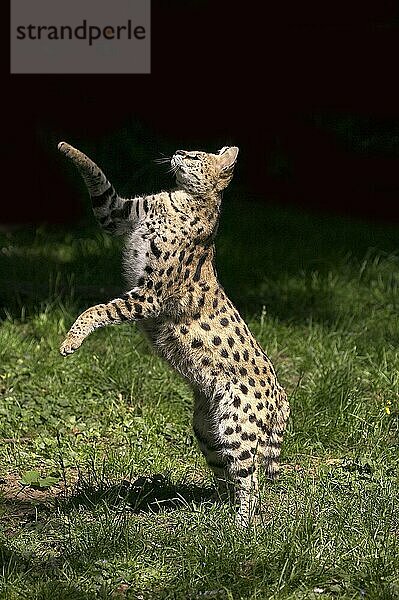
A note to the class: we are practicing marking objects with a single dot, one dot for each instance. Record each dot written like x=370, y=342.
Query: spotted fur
x=240, y=410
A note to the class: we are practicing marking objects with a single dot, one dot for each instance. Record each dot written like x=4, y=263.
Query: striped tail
x=94, y=178
x=273, y=448
x=105, y=201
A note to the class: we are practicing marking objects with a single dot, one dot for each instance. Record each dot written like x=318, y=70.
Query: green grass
x=131, y=514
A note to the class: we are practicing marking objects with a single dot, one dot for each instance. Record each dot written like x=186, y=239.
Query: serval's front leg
x=133, y=306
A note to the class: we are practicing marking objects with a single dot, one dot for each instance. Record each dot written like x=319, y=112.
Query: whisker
x=173, y=169
x=162, y=159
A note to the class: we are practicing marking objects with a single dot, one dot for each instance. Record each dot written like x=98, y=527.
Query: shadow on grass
x=47, y=267
x=145, y=494
x=32, y=572
x=11, y=562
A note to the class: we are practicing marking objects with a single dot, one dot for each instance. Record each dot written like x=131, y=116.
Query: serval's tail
x=100, y=189
x=273, y=448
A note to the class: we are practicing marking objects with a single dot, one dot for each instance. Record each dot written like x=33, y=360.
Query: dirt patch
x=23, y=505
x=12, y=490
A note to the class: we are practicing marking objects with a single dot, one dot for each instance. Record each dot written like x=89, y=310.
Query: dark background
x=308, y=92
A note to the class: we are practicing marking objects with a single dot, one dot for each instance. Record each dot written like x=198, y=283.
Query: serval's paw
x=70, y=344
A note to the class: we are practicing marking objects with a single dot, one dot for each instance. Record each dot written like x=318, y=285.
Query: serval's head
x=200, y=173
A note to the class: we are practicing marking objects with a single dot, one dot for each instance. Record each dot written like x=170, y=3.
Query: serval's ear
x=227, y=157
